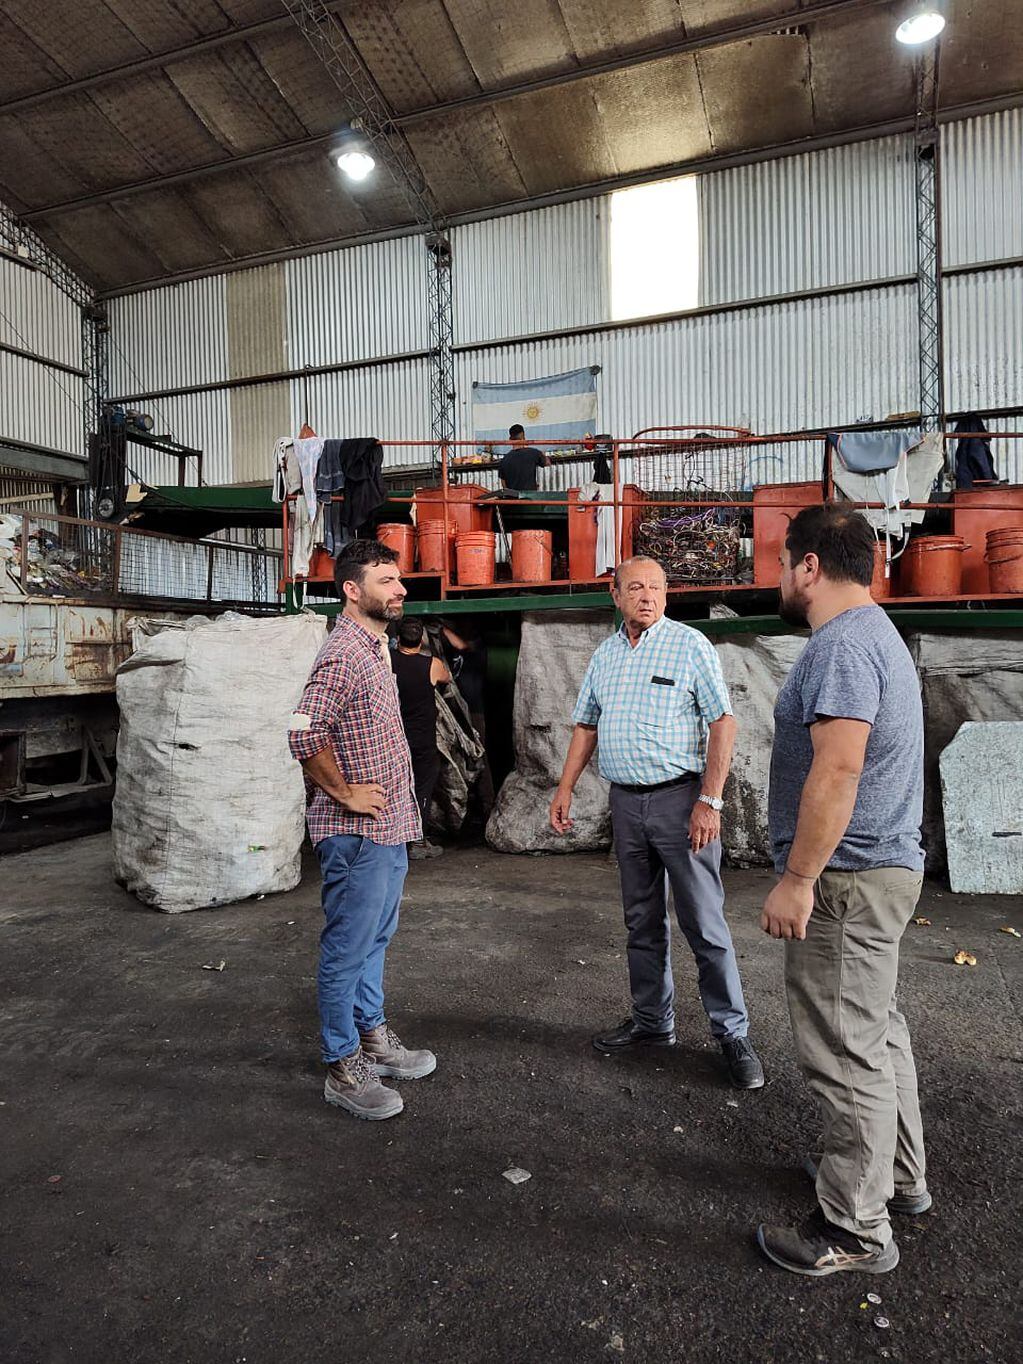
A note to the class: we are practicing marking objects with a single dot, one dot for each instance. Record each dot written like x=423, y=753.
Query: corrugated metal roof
x=604, y=109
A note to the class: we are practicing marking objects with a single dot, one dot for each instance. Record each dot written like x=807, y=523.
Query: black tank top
x=418, y=699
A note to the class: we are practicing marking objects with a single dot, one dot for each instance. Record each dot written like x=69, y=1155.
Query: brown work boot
x=383, y=1050
x=352, y=1085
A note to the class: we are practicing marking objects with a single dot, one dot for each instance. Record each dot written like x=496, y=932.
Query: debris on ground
x=617, y=1343
x=214, y=966
x=882, y=1323
x=874, y=1298
x=1012, y=932
x=963, y=958
x=516, y=1176
x=924, y=923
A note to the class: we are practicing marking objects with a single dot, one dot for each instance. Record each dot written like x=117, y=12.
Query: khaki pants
x=853, y=1044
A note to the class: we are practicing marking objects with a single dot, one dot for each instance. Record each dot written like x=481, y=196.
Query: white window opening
x=655, y=249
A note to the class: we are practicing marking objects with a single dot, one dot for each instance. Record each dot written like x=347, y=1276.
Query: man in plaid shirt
x=655, y=696
x=348, y=735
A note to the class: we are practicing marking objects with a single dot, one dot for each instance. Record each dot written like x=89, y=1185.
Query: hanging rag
x=603, y=493
x=974, y=461
x=307, y=453
x=462, y=759
x=305, y=531
x=871, y=452
x=909, y=480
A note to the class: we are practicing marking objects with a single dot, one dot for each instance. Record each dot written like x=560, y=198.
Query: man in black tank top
x=417, y=674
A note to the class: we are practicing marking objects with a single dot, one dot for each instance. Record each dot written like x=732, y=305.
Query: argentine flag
x=560, y=407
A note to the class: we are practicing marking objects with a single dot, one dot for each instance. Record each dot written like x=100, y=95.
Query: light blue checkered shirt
x=652, y=703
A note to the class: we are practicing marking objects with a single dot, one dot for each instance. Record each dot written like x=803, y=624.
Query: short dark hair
x=358, y=555
x=842, y=540
x=516, y=432
x=410, y=632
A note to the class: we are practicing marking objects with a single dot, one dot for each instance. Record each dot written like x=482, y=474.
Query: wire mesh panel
x=67, y=557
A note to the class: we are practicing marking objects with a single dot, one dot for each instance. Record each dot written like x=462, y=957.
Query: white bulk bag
x=209, y=805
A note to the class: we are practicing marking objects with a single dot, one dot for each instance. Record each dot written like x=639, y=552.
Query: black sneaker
x=744, y=1068
x=629, y=1035
x=903, y=1204
x=818, y=1248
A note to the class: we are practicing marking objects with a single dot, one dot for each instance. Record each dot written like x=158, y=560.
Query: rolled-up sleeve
x=320, y=709
x=712, y=699
x=587, y=708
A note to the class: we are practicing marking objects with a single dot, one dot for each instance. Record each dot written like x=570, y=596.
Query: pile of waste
x=693, y=547
x=55, y=569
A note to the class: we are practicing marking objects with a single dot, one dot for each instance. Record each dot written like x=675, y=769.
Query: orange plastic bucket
x=433, y=538
x=398, y=536
x=1004, y=559
x=932, y=566
x=531, y=554
x=476, y=551
x=880, y=586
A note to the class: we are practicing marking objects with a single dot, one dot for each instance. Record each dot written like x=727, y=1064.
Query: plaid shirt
x=350, y=704
x=652, y=703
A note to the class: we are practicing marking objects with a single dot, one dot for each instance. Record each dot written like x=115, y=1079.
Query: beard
x=792, y=611
x=382, y=611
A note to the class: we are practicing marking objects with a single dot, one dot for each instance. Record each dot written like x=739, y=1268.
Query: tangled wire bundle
x=695, y=548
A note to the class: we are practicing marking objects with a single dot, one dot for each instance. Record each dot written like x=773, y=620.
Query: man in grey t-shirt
x=846, y=803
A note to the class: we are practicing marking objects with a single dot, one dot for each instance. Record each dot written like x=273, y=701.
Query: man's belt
x=657, y=786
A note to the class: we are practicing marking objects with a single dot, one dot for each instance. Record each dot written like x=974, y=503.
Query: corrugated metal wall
x=39, y=404
x=531, y=272
x=842, y=216
x=357, y=304
x=982, y=189
x=169, y=338
x=818, y=221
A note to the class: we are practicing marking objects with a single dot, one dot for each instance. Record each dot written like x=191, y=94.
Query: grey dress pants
x=651, y=839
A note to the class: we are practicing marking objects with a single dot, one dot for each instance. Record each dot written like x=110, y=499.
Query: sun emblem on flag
x=532, y=412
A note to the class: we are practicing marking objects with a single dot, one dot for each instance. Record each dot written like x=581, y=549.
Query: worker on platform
x=418, y=675
x=655, y=697
x=518, y=468
x=844, y=813
x=348, y=735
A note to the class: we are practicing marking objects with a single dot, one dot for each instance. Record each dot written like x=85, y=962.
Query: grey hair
x=636, y=559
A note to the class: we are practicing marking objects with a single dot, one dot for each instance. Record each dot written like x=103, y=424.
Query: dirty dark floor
x=174, y=1188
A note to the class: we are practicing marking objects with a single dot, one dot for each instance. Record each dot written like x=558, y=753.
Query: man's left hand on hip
x=704, y=826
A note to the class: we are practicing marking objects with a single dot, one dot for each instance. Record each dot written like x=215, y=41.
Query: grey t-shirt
x=855, y=667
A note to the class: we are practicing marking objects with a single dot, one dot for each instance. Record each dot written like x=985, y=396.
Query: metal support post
x=370, y=115
x=927, y=159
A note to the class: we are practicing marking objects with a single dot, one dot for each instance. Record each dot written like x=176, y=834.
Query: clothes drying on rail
x=910, y=479
x=356, y=466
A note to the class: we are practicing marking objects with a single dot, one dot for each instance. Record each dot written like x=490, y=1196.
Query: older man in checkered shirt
x=655, y=698
x=348, y=735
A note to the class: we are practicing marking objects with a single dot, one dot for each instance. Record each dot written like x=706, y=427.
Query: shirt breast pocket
x=660, y=702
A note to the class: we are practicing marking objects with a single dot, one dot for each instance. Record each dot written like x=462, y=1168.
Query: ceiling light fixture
x=921, y=25
x=356, y=165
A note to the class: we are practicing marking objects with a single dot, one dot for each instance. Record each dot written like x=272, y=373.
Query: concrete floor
x=175, y=1189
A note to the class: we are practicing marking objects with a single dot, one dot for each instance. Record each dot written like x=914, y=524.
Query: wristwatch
x=713, y=802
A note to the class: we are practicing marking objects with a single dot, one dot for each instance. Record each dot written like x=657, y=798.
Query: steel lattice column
x=370, y=113
x=927, y=157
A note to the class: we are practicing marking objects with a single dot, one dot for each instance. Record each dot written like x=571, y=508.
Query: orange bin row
x=984, y=555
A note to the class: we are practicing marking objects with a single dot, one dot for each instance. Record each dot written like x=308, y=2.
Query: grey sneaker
x=903, y=1204
x=816, y=1248
x=387, y=1056
x=352, y=1085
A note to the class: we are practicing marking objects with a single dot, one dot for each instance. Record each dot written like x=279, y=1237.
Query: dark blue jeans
x=362, y=885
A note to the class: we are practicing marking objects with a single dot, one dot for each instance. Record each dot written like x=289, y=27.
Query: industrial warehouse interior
x=511, y=681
